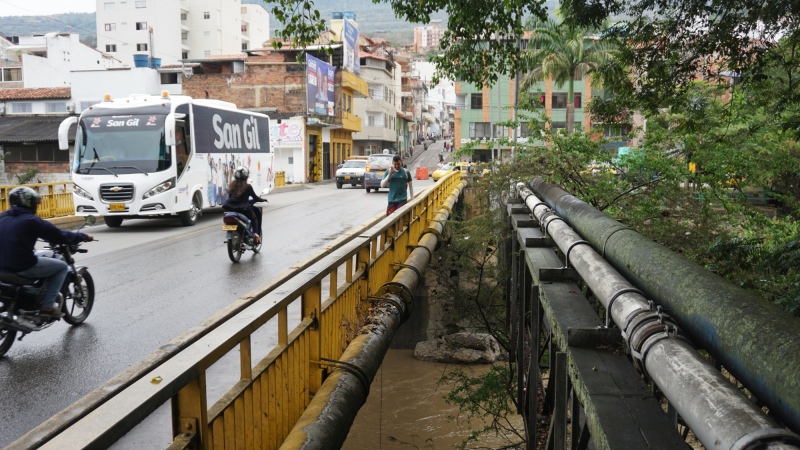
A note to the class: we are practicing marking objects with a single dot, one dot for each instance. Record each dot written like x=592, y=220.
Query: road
x=155, y=279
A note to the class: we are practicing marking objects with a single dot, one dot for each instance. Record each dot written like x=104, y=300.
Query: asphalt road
x=154, y=279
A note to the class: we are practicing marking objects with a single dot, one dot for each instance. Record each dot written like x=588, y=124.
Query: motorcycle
x=19, y=307
x=239, y=235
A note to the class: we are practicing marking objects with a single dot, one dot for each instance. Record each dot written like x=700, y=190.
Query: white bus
x=146, y=156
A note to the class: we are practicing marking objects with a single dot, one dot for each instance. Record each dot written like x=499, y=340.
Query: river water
x=406, y=407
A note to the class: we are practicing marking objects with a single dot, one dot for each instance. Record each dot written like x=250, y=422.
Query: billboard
x=319, y=87
x=352, y=56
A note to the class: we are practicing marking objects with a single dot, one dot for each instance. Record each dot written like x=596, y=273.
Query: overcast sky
x=44, y=7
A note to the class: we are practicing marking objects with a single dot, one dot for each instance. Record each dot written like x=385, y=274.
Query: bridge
x=670, y=348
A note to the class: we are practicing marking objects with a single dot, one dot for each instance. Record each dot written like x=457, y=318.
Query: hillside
x=377, y=20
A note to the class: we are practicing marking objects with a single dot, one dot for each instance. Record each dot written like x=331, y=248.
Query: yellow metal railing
x=329, y=296
x=56, y=198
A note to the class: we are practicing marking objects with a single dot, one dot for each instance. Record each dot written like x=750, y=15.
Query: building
x=307, y=146
x=379, y=110
x=428, y=37
x=173, y=30
x=48, y=60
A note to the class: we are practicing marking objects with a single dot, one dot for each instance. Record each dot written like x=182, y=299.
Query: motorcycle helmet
x=25, y=197
x=241, y=173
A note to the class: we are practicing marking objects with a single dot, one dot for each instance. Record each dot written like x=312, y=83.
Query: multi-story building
x=174, y=30
x=379, y=109
x=427, y=37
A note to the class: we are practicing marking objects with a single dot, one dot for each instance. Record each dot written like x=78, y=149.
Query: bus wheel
x=189, y=218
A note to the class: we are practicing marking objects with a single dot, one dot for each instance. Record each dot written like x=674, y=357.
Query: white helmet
x=241, y=173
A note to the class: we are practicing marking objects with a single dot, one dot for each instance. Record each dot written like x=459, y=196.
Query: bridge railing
x=310, y=314
x=56, y=198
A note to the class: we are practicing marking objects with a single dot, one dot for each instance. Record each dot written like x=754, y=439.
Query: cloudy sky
x=44, y=7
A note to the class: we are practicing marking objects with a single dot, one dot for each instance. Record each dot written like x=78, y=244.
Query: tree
x=674, y=42
x=562, y=52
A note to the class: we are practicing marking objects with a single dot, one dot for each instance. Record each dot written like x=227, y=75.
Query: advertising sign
x=352, y=56
x=222, y=131
x=319, y=87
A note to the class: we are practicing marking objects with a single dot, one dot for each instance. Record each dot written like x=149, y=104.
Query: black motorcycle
x=238, y=235
x=19, y=306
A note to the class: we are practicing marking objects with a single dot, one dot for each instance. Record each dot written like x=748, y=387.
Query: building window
x=169, y=78
x=184, y=35
x=206, y=15
x=141, y=3
x=56, y=107
x=108, y=5
x=577, y=96
x=500, y=131
x=141, y=25
x=11, y=74
x=184, y=16
x=22, y=108
x=111, y=48
x=184, y=55
x=111, y=27
x=244, y=45
x=206, y=33
x=206, y=52
x=35, y=153
x=479, y=130
x=476, y=101
x=244, y=28
x=559, y=100
x=370, y=121
x=525, y=129
x=141, y=47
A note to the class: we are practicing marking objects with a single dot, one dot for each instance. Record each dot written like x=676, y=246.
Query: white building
x=379, y=110
x=48, y=60
x=172, y=30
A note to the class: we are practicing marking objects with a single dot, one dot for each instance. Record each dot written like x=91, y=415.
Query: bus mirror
x=169, y=129
x=63, y=132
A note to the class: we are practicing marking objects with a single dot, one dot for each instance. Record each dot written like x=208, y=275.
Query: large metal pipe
x=328, y=417
x=720, y=416
x=755, y=340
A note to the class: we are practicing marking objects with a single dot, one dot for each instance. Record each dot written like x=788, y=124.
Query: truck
x=155, y=156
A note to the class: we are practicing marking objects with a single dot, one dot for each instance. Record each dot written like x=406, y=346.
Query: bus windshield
x=122, y=144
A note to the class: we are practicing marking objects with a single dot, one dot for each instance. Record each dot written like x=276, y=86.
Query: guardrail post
x=312, y=307
x=190, y=412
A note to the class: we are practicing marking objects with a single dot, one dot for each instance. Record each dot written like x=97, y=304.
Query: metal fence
x=56, y=198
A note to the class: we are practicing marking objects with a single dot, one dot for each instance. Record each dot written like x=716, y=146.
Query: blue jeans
x=55, y=271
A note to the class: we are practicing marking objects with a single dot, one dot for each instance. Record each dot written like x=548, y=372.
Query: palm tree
x=561, y=52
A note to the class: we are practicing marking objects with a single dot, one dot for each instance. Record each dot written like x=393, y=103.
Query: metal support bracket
x=594, y=338
x=572, y=246
x=351, y=368
x=558, y=274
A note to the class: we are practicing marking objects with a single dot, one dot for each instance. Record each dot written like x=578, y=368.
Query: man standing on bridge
x=398, y=179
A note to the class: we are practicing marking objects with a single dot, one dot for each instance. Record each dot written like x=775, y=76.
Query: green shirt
x=398, y=185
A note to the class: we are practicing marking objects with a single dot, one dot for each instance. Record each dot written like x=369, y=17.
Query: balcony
x=350, y=121
x=355, y=83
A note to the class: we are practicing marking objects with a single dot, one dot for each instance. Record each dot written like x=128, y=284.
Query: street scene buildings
x=383, y=96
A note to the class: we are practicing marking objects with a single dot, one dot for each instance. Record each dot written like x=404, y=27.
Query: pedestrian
x=398, y=180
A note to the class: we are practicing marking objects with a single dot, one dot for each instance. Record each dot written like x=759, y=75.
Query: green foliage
x=27, y=177
x=486, y=398
x=671, y=42
x=81, y=23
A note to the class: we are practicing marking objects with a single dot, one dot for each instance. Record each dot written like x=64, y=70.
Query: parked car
x=377, y=165
x=352, y=172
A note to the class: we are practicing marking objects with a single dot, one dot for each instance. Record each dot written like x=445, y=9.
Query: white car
x=351, y=172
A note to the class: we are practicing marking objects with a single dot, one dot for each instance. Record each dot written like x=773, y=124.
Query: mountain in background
x=374, y=19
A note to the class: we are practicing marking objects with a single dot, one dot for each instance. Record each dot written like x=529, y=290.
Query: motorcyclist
x=20, y=227
x=239, y=194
